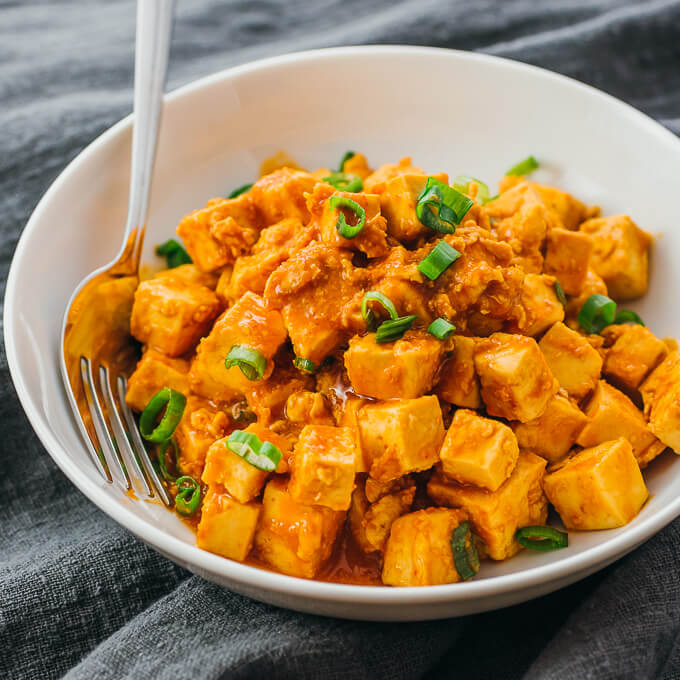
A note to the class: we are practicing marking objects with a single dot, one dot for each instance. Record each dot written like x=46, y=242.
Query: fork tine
x=119, y=434
x=105, y=441
x=138, y=444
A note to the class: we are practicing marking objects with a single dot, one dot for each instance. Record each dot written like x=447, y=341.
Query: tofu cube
x=323, y=467
x=171, y=316
x=540, y=305
x=216, y=235
x=478, y=451
x=404, y=369
x=293, y=538
x=349, y=418
x=154, y=372
x=250, y=273
x=555, y=432
x=496, y=515
x=516, y=381
x=612, y=415
x=249, y=323
x=620, y=255
x=567, y=258
x=281, y=194
x=661, y=396
x=599, y=488
x=401, y=436
x=593, y=285
x=570, y=211
x=572, y=360
x=227, y=527
x=458, y=382
x=189, y=275
x=634, y=352
x=418, y=551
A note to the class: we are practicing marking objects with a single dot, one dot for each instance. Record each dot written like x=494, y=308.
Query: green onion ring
x=304, y=365
x=189, y=497
x=161, y=459
x=174, y=253
x=465, y=556
x=345, y=182
x=452, y=206
x=262, y=455
x=393, y=329
x=542, y=538
x=523, y=167
x=441, y=328
x=462, y=184
x=174, y=403
x=368, y=316
x=559, y=291
x=599, y=311
x=438, y=260
x=628, y=316
x=240, y=190
x=345, y=230
x=346, y=156
x=251, y=362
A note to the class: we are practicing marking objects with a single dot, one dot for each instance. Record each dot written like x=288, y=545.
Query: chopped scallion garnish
x=389, y=331
x=162, y=463
x=173, y=402
x=441, y=328
x=465, y=556
x=346, y=230
x=188, y=497
x=438, y=260
x=462, y=184
x=346, y=156
x=599, y=311
x=240, y=190
x=304, y=365
x=559, y=291
x=542, y=538
x=262, y=455
x=249, y=360
x=174, y=253
x=368, y=316
x=450, y=204
x=345, y=182
x=524, y=167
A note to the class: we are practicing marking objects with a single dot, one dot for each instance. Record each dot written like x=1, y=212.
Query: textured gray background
x=78, y=594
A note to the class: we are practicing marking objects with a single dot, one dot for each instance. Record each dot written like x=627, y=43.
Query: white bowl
x=451, y=111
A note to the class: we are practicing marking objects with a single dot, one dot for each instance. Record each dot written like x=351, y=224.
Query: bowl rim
x=207, y=563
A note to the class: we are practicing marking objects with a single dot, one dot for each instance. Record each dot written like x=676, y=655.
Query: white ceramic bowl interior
x=450, y=111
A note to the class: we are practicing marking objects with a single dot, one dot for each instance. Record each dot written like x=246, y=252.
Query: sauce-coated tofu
x=404, y=369
x=516, y=381
x=293, y=538
x=249, y=323
x=171, y=316
x=154, y=372
x=661, y=396
x=348, y=417
x=250, y=273
x=281, y=194
x=555, y=432
x=599, y=488
x=401, y=436
x=567, y=257
x=323, y=466
x=593, y=285
x=572, y=360
x=620, y=255
x=540, y=305
x=227, y=527
x=458, y=382
x=418, y=551
x=310, y=408
x=570, y=211
x=478, y=451
x=496, y=515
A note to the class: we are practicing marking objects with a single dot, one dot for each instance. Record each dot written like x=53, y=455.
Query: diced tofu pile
x=398, y=437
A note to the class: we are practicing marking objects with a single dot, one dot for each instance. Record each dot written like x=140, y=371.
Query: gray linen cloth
x=81, y=597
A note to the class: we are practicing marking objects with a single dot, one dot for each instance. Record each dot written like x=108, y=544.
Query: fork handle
x=154, y=27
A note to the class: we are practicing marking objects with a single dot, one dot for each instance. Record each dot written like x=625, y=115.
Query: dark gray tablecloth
x=78, y=594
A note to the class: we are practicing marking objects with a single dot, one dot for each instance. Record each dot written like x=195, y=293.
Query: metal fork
x=97, y=351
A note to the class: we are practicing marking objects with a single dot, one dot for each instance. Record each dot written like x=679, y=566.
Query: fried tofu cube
x=540, y=305
x=357, y=165
x=478, y=450
x=516, y=381
x=349, y=418
x=570, y=211
x=458, y=382
x=401, y=436
x=496, y=515
x=661, y=396
x=216, y=235
x=293, y=538
x=250, y=273
x=620, y=255
x=555, y=432
x=249, y=322
x=171, y=316
x=281, y=194
x=633, y=353
x=154, y=372
x=599, y=488
x=567, y=258
x=189, y=275
x=323, y=468
x=404, y=369
x=227, y=527
x=612, y=414
x=572, y=360
x=418, y=551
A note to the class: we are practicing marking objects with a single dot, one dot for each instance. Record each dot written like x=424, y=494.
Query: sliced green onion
x=368, y=316
x=174, y=253
x=524, y=167
x=462, y=184
x=451, y=206
x=389, y=331
x=240, y=190
x=344, y=182
x=347, y=155
x=305, y=365
x=345, y=230
x=438, y=260
x=162, y=464
x=174, y=403
x=249, y=360
x=599, y=311
x=240, y=412
x=189, y=497
x=441, y=328
x=465, y=556
x=542, y=538
x=559, y=291
x=262, y=455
